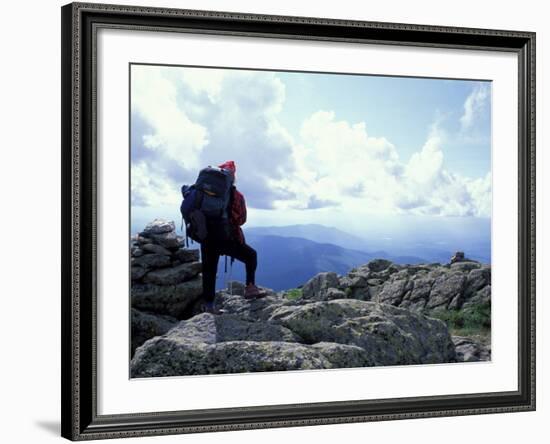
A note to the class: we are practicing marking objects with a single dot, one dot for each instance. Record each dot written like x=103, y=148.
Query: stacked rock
x=166, y=280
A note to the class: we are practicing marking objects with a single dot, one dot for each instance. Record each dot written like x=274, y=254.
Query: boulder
x=164, y=356
x=235, y=303
x=257, y=310
x=456, y=302
x=185, y=255
x=316, y=288
x=173, y=275
x=158, y=226
x=421, y=289
x=477, y=279
x=481, y=297
x=366, y=294
x=388, y=334
x=393, y=291
x=171, y=300
x=457, y=257
x=147, y=325
x=379, y=264
x=168, y=240
x=209, y=329
x=355, y=285
x=446, y=288
x=136, y=273
x=141, y=240
x=335, y=293
x=353, y=280
x=156, y=249
x=468, y=350
x=152, y=261
x=207, y=344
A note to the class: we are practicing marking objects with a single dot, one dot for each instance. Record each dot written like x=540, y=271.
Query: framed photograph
x=274, y=221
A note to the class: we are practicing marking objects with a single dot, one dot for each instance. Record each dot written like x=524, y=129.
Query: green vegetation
x=295, y=293
x=473, y=321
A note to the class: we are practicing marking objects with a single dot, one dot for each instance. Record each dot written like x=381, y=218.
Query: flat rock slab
x=158, y=226
x=147, y=325
x=162, y=356
x=156, y=249
x=168, y=240
x=186, y=255
x=173, y=275
x=390, y=335
x=150, y=261
x=329, y=334
x=172, y=300
x=208, y=344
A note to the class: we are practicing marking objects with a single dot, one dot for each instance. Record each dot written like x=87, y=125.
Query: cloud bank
x=184, y=119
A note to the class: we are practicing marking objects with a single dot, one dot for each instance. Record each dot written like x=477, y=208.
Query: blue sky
x=313, y=148
x=400, y=108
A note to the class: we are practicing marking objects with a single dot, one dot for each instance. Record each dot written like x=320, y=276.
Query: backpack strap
x=199, y=199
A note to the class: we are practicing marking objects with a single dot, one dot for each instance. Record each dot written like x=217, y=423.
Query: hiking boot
x=253, y=292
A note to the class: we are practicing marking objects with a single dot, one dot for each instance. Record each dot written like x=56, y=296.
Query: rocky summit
x=419, y=288
x=273, y=335
x=378, y=314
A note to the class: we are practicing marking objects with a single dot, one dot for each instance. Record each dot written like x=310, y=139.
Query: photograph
x=298, y=220
x=274, y=220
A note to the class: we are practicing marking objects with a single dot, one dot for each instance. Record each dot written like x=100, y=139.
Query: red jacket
x=237, y=216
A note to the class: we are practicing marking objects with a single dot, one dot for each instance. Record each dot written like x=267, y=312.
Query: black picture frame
x=80, y=420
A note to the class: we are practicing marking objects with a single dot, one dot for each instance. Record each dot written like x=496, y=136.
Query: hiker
x=224, y=235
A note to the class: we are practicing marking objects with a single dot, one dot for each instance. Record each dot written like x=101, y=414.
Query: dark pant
x=211, y=250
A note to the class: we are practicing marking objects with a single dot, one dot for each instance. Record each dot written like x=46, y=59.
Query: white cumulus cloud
x=185, y=119
x=338, y=163
x=474, y=105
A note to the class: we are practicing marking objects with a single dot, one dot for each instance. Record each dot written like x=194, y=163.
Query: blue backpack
x=206, y=202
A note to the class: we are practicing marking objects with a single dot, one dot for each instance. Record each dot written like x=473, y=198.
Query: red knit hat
x=229, y=165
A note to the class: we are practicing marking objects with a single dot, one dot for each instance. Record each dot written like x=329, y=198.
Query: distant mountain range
x=289, y=256
x=419, y=244
x=313, y=232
